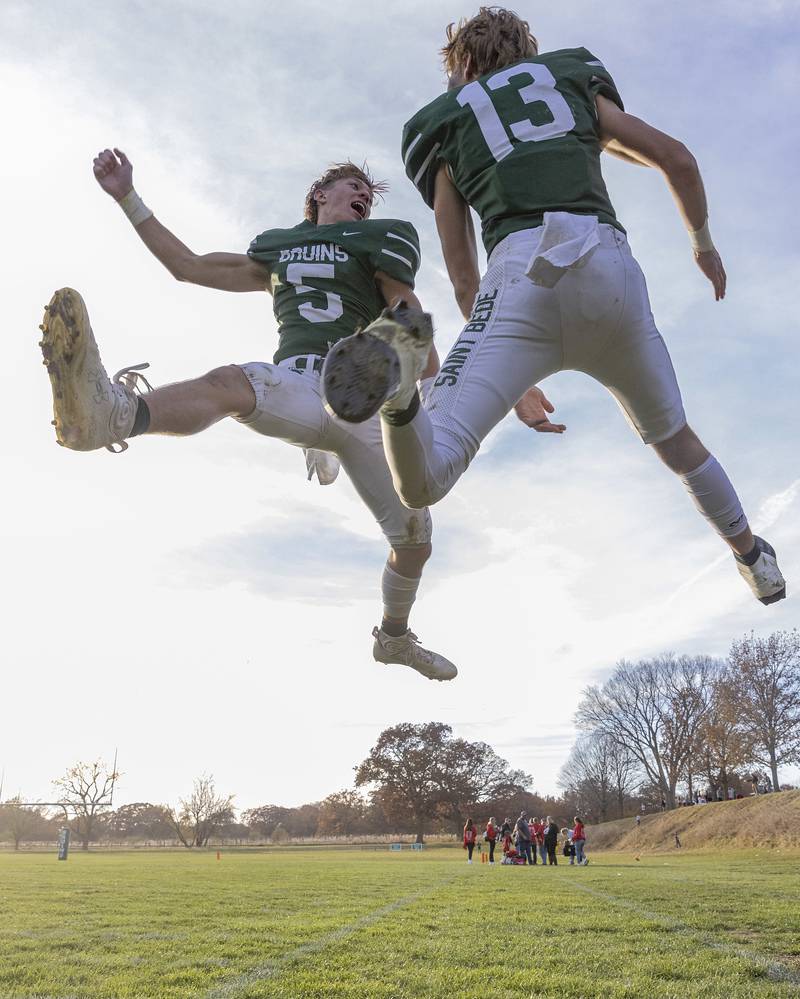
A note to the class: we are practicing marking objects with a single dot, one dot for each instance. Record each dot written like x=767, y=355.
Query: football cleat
x=760, y=571
x=378, y=366
x=405, y=650
x=90, y=410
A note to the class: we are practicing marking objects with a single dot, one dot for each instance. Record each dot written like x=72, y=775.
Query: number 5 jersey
x=490, y=135
x=323, y=277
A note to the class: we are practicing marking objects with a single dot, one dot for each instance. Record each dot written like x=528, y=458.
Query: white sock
x=715, y=497
x=399, y=593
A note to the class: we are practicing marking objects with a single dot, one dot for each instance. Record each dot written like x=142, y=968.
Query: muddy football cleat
x=760, y=571
x=405, y=650
x=378, y=366
x=90, y=410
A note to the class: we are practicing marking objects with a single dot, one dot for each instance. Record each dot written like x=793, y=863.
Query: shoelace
x=129, y=377
x=424, y=654
x=416, y=648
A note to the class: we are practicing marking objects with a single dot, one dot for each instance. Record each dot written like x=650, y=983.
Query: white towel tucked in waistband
x=323, y=463
x=567, y=241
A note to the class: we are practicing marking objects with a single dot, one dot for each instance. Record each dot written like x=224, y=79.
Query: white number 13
x=542, y=89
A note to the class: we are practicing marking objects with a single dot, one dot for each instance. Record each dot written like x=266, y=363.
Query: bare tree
x=652, y=709
x=725, y=742
x=767, y=677
x=85, y=790
x=689, y=685
x=598, y=773
x=200, y=815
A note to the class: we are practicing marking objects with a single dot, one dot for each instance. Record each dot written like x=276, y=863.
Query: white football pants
x=289, y=407
x=596, y=319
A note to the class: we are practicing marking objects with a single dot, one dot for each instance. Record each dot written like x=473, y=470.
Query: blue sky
x=199, y=604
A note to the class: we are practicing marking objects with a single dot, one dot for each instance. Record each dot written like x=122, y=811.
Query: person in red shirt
x=579, y=841
x=491, y=836
x=537, y=840
x=470, y=838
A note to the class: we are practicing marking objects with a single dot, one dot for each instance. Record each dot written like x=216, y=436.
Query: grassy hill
x=770, y=820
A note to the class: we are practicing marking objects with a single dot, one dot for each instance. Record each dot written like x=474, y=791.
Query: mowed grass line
x=403, y=926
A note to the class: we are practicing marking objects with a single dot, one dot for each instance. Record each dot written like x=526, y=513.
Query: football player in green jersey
x=518, y=137
x=330, y=274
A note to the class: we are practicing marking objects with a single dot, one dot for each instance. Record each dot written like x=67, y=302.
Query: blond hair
x=337, y=171
x=493, y=38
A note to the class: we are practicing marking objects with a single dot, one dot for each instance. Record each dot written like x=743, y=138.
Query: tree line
x=651, y=731
x=664, y=726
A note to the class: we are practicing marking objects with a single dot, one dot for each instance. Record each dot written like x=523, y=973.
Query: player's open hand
x=711, y=265
x=114, y=172
x=532, y=410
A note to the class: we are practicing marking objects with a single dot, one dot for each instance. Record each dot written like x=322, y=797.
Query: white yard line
x=774, y=969
x=270, y=969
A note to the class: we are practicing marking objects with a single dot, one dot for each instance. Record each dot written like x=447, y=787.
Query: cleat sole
x=358, y=375
x=773, y=598
x=65, y=318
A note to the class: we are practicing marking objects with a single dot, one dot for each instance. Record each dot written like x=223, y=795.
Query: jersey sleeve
x=420, y=157
x=601, y=83
x=262, y=247
x=397, y=253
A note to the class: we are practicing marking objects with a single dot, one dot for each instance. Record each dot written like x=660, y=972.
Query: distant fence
x=382, y=842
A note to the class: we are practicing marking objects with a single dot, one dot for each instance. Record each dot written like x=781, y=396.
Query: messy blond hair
x=336, y=171
x=495, y=37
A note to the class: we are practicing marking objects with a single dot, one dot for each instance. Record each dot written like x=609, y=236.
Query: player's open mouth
x=359, y=208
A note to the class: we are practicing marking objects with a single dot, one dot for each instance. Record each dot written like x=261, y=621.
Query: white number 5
x=542, y=89
x=296, y=273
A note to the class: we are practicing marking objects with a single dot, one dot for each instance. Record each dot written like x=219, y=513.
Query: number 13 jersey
x=518, y=142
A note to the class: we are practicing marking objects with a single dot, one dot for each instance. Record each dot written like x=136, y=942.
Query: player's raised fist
x=114, y=172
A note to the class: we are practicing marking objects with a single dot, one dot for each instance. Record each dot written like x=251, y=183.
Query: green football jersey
x=323, y=277
x=518, y=142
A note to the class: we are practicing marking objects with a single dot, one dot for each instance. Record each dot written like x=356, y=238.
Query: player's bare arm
x=633, y=140
x=224, y=271
x=457, y=236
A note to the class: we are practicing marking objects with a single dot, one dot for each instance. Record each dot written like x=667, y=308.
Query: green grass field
x=374, y=924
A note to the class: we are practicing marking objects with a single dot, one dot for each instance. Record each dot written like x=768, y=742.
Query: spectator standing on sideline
x=532, y=831
x=551, y=841
x=523, y=835
x=491, y=836
x=568, y=849
x=505, y=832
x=579, y=842
x=537, y=836
x=638, y=821
x=470, y=836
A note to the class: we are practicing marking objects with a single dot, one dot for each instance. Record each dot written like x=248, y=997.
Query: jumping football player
x=330, y=274
x=518, y=137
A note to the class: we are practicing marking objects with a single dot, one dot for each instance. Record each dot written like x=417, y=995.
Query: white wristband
x=701, y=239
x=133, y=206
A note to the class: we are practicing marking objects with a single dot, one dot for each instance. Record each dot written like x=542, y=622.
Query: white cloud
x=553, y=557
